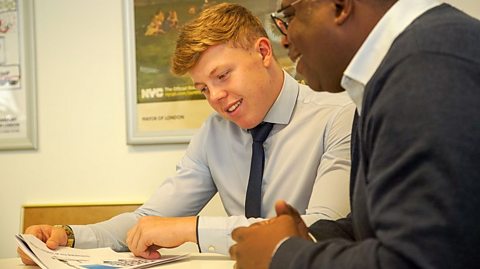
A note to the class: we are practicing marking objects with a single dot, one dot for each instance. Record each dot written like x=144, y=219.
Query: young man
x=230, y=59
x=413, y=69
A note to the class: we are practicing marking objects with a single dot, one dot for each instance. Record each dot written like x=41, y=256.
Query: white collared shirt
x=373, y=50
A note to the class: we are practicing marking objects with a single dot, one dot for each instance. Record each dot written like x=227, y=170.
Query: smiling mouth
x=234, y=106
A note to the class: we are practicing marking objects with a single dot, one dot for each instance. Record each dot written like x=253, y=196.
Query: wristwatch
x=70, y=235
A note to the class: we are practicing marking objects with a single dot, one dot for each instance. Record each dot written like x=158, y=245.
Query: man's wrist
x=70, y=235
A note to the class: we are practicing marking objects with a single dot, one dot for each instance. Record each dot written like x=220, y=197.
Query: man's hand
x=282, y=208
x=256, y=243
x=152, y=233
x=52, y=236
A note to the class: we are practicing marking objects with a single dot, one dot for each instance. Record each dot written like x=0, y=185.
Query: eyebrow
x=195, y=84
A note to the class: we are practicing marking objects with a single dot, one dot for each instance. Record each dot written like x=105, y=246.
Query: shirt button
x=211, y=249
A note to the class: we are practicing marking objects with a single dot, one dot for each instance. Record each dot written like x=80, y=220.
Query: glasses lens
x=281, y=25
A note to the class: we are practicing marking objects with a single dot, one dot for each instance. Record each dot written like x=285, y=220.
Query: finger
x=41, y=232
x=142, y=245
x=130, y=238
x=25, y=259
x=153, y=252
x=133, y=244
x=299, y=223
x=58, y=237
x=233, y=251
x=130, y=234
x=282, y=208
x=238, y=233
x=150, y=253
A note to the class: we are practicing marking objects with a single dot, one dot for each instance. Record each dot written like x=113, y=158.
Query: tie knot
x=261, y=131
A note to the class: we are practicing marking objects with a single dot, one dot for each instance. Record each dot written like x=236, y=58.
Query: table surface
x=195, y=260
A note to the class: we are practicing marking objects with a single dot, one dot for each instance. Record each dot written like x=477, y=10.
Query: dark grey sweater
x=415, y=182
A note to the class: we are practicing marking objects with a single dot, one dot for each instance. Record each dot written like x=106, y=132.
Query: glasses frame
x=280, y=22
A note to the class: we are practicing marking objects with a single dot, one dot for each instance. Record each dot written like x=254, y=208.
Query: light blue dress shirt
x=307, y=163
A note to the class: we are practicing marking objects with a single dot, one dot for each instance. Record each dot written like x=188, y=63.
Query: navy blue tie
x=253, y=199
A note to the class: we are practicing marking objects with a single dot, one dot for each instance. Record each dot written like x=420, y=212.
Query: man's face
x=311, y=41
x=236, y=83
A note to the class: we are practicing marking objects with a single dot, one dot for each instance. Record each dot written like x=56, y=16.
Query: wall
x=82, y=155
x=471, y=7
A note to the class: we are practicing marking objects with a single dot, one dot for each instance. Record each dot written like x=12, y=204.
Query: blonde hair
x=218, y=24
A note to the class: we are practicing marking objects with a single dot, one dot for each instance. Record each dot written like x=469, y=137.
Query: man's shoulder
x=441, y=30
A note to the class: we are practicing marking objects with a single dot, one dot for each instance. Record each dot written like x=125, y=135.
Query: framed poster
x=17, y=75
x=162, y=108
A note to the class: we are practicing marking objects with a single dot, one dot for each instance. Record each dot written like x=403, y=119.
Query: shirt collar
x=373, y=50
x=282, y=110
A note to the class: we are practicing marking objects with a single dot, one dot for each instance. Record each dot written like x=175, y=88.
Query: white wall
x=471, y=7
x=82, y=155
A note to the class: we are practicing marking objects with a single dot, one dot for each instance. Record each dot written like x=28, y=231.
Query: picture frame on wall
x=18, y=122
x=163, y=108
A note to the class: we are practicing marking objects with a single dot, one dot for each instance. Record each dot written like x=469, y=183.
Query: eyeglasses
x=279, y=17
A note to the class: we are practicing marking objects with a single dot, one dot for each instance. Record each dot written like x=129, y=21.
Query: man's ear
x=344, y=9
x=264, y=47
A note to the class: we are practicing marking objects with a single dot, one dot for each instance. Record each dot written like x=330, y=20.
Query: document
x=98, y=258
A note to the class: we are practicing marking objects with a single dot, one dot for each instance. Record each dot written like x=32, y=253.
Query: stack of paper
x=65, y=257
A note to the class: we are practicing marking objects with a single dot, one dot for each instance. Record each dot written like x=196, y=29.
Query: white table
x=195, y=260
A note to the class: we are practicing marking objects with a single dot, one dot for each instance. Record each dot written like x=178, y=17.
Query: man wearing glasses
x=227, y=54
x=308, y=69
x=412, y=67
